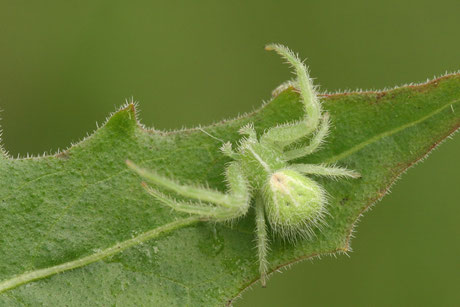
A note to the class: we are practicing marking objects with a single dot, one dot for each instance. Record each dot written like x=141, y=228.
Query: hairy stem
x=117, y=248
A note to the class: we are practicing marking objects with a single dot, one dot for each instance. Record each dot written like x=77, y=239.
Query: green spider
x=293, y=203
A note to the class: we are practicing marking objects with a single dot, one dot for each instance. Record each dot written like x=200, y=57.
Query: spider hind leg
x=262, y=240
x=206, y=202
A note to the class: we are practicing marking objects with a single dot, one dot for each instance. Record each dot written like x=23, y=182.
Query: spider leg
x=237, y=201
x=314, y=144
x=203, y=209
x=262, y=240
x=309, y=98
x=286, y=134
x=324, y=170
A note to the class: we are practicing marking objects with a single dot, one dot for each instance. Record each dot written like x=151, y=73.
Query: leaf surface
x=61, y=208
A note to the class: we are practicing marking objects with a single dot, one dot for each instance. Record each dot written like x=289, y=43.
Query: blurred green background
x=66, y=64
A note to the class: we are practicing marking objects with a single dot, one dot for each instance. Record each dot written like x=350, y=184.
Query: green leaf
x=63, y=209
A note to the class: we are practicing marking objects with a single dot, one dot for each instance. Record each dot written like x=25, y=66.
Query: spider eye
x=294, y=203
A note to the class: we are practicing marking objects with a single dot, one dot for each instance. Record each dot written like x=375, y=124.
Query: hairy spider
x=293, y=203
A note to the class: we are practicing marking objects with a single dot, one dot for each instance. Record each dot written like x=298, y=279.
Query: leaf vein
x=382, y=135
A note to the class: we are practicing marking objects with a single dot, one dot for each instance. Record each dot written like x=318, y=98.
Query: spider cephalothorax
x=293, y=203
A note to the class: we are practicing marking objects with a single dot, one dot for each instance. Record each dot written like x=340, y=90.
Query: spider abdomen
x=295, y=204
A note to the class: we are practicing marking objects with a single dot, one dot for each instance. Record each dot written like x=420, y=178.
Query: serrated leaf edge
x=132, y=106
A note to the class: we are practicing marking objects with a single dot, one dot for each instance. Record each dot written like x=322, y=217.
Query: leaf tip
x=130, y=110
x=125, y=119
x=3, y=152
x=130, y=107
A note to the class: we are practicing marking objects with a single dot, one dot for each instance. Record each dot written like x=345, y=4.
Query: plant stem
x=117, y=248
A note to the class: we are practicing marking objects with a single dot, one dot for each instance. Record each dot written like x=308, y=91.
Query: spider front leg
x=283, y=135
x=315, y=142
x=324, y=170
x=210, y=204
x=290, y=133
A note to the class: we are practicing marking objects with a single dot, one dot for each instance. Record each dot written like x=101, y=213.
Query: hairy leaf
x=62, y=209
